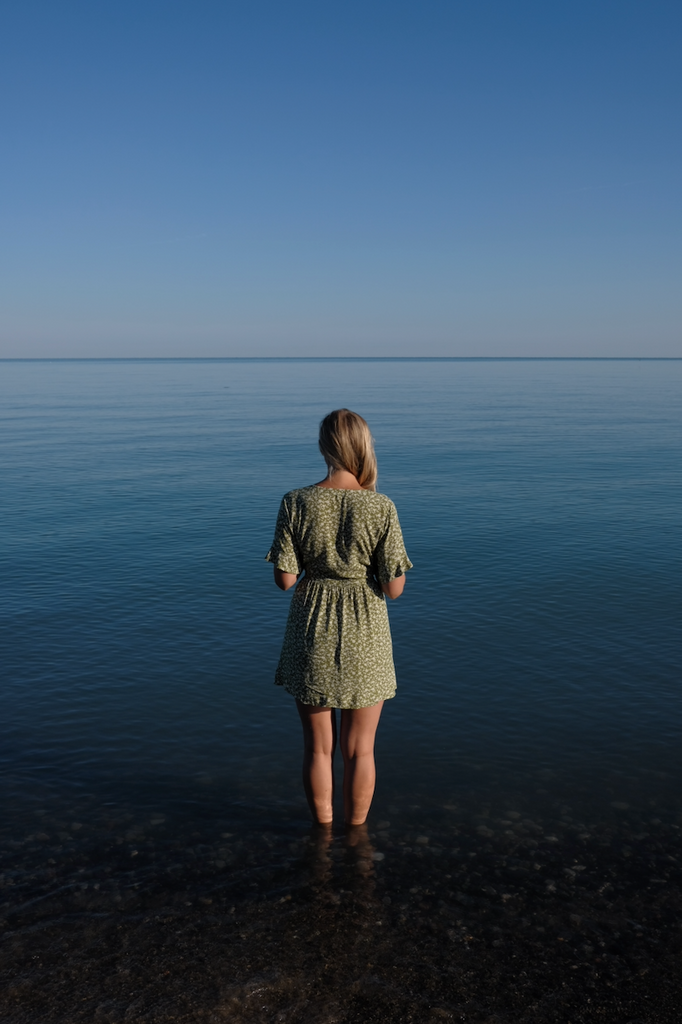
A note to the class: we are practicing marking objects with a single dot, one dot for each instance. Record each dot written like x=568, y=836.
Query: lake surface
x=149, y=763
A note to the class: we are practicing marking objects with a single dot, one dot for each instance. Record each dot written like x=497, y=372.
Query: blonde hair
x=346, y=443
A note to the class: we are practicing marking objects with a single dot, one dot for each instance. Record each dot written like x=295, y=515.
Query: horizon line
x=322, y=359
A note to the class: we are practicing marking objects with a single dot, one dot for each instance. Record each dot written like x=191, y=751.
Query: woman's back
x=337, y=651
x=339, y=534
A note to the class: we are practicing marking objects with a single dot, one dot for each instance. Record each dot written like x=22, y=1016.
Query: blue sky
x=375, y=178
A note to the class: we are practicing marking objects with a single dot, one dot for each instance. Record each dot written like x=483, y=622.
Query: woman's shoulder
x=300, y=497
x=298, y=494
x=312, y=493
x=321, y=500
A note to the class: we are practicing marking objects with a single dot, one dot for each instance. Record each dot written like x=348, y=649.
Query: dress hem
x=326, y=703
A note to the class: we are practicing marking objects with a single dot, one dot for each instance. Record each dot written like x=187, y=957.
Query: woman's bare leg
x=358, y=729
x=319, y=743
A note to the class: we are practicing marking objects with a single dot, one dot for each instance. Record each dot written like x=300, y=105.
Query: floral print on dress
x=337, y=649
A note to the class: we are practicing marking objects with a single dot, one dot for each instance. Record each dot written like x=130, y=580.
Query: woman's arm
x=394, y=588
x=284, y=580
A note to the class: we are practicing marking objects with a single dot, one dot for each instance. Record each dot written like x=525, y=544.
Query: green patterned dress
x=337, y=649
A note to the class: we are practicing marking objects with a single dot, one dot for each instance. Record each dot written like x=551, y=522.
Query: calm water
x=537, y=644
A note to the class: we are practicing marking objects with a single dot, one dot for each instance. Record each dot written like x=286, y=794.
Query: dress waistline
x=335, y=581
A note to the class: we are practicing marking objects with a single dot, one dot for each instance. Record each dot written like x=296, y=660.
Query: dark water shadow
x=471, y=908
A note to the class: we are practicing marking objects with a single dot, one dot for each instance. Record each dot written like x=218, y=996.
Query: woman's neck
x=340, y=479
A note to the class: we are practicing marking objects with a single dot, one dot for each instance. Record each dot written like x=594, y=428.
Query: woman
x=337, y=647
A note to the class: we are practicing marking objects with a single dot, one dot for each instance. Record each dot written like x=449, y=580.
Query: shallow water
x=522, y=858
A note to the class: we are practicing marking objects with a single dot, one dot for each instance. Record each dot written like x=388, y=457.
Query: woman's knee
x=357, y=743
x=357, y=751
x=318, y=746
x=319, y=741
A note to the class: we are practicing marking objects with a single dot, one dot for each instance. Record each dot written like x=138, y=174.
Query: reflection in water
x=340, y=865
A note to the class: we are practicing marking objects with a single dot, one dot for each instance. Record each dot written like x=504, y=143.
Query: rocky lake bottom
x=470, y=909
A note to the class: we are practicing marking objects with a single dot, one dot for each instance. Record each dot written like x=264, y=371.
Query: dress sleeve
x=284, y=553
x=390, y=556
